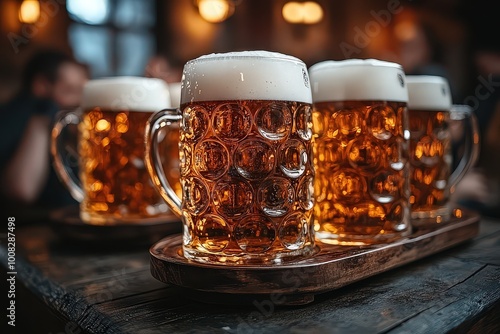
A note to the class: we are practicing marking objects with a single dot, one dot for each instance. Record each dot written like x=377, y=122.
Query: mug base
x=429, y=217
x=249, y=259
x=360, y=240
x=107, y=219
x=67, y=224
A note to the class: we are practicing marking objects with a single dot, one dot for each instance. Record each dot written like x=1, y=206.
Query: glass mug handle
x=63, y=119
x=163, y=119
x=461, y=112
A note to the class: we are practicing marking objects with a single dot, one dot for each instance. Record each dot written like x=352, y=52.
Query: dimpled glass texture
x=247, y=180
x=361, y=163
x=430, y=158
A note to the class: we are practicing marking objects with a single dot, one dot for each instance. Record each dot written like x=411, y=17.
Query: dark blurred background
x=457, y=39
x=118, y=37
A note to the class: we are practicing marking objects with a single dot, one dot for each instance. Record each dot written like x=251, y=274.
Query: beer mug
x=245, y=158
x=434, y=121
x=115, y=186
x=360, y=128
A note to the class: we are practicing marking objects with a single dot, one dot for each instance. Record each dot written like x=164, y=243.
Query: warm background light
x=313, y=13
x=214, y=10
x=292, y=12
x=405, y=31
x=29, y=11
x=308, y=12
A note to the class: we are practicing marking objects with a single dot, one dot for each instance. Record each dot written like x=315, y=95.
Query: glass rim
x=242, y=55
x=346, y=63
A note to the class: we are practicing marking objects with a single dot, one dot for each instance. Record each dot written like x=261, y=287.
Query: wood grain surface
x=78, y=288
x=296, y=282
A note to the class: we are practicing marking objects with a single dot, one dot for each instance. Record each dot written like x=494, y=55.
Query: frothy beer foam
x=358, y=80
x=126, y=93
x=246, y=75
x=428, y=92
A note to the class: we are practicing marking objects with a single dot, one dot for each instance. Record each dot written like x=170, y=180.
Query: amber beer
x=245, y=148
x=432, y=176
x=115, y=184
x=360, y=152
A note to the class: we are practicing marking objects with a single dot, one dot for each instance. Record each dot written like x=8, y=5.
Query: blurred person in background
x=170, y=71
x=418, y=49
x=161, y=67
x=52, y=81
x=480, y=188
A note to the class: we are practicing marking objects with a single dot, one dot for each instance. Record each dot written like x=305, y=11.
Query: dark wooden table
x=68, y=287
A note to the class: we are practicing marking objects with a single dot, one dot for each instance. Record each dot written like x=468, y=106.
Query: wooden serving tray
x=297, y=282
x=67, y=224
